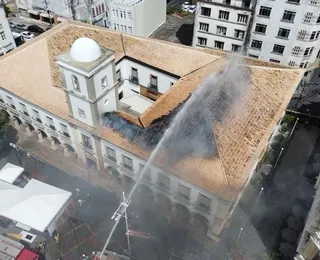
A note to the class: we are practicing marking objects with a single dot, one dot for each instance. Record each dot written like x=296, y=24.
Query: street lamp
x=16, y=152
x=240, y=232
x=278, y=158
x=261, y=190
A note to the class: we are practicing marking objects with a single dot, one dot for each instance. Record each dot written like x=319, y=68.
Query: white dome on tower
x=85, y=50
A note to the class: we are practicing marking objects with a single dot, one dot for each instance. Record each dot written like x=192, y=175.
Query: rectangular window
x=154, y=82
x=75, y=83
x=184, y=191
x=283, y=33
x=318, y=19
x=302, y=35
x=235, y=48
x=224, y=15
x=253, y=56
x=239, y=34
x=275, y=61
x=291, y=63
x=318, y=55
x=129, y=16
x=102, y=7
x=3, y=35
x=219, y=45
x=260, y=28
x=308, y=17
x=147, y=174
x=242, y=18
x=120, y=14
x=221, y=30
x=86, y=141
x=278, y=49
x=296, y=50
x=115, y=26
x=313, y=35
x=134, y=76
x=64, y=130
x=256, y=44
x=104, y=82
x=118, y=74
x=24, y=109
x=124, y=15
x=288, y=16
x=118, y=28
x=129, y=29
x=120, y=95
x=306, y=52
x=10, y=102
x=293, y=1
x=114, y=12
x=37, y=115
x=121, y=28
x=1, y=99
x=301, y=65
x=127, y=162
x=206, y=11
x=50, y=123
x=204, y=201
x=202, y=41
x=265, y=11
x=81, y=113
x=204, y=27
x=163, y=180
x=111, y=153
x=125, y=28
x=117, y=13
x=97, y=10
x=93, y=12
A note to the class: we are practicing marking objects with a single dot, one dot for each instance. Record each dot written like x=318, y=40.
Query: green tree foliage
x=5, y=7
x=288, y=119
x=4, y=126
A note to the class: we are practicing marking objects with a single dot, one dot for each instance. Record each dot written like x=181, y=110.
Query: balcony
x=86, y=144
x=3, y=105
x=202, y=207
x=12, y=109
x=153, y=88
x=134, y=80
x=51, y=130
x=37, y=122
x=110, y=160
x=65, y=137
x=162, y=186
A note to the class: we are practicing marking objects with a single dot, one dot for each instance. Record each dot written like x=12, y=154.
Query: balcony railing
x=153, y=89
x=163, y=186
x=87, y=145
x=12, y=109
x=51, y=131
x=203, y=206
x=134, y=79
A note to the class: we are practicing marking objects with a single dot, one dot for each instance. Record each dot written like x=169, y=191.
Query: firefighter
x=42, y=245
x=57, y=237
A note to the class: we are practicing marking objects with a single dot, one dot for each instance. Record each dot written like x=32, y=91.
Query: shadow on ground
x=185, y=34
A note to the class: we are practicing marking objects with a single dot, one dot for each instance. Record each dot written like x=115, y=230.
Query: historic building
x=104, y=96
x=7, y=42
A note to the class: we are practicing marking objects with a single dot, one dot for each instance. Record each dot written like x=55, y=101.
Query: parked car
x=35, y=29
x=192, y=8
x=185, y=6
x=12, y=25
x=21, y=26
x=27, y=35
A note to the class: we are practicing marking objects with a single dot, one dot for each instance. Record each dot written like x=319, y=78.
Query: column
x=100, y=164
x=66, y=151
x=216, y=226
x=40, y=136
x=191, y=219
x=53, y=144
x=28, y=130
x=16, y=123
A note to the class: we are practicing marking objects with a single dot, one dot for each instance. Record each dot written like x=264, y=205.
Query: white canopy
x=10, y=172
x=36, y=205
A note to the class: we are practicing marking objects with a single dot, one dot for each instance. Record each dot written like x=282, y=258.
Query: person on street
x=57, y=237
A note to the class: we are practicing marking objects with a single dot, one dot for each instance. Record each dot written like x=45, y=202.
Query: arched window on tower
x=75, y=83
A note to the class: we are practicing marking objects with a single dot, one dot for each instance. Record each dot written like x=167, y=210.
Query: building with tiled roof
x=110, y=97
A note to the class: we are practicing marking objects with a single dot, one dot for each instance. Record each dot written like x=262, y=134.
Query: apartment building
x=138, y=17
x=84, y=10
x=7, y=42
x=285, y=32
x=107, y=98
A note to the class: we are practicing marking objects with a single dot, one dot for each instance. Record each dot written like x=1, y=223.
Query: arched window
x=75, y=83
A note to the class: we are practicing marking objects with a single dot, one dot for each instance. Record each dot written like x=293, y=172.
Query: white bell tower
x=89, y=80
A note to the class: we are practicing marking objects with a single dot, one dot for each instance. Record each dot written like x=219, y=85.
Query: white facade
x=86, y=11
x=285, y=32
x=86, y=92
x=7, y=42
x=140, y=18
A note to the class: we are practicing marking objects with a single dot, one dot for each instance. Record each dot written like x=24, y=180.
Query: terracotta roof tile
x=27, y=71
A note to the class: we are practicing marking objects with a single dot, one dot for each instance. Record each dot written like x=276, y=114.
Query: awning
x=34, y=12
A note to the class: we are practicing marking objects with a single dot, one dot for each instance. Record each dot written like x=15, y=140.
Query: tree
x=5, y=7
x=4, y=126
x=88, y=8
x=72, y=4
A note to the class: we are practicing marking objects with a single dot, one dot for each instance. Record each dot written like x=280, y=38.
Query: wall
x=77, y=103
x=8, y=43
x=106, y=71
x=148, y=15
x=115, y=21
x=214, y=21
x=82, y=83
x=164, y=81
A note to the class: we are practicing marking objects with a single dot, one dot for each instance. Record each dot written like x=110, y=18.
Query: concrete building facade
x=107, y=88
x=7, y=42
x=281, y=32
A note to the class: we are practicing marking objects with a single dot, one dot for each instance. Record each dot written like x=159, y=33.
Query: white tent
x=10, y=172
x=36, y=205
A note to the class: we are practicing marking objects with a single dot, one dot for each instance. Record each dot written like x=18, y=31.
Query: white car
x=185, y=6
x=27, y=35
x=192, y=8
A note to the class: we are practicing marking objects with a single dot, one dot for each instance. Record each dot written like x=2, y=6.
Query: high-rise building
x=285, y=32
x=106, y=102
x=7, y=42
